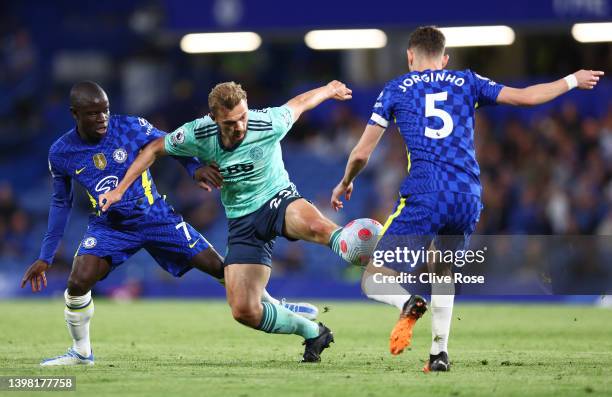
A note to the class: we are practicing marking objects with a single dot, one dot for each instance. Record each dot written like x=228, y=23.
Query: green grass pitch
x=181, y=348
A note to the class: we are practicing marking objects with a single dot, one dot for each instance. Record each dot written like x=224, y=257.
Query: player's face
x=92, y=117
x=233, y=123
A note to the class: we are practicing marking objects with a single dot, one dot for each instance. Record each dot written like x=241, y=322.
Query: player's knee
x=209, y=261
x=78, y=285
x=247, y=313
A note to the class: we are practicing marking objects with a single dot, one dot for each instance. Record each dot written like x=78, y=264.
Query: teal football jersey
x=253, y=171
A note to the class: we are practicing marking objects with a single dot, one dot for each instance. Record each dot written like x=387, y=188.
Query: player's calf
x=303, y=221
x=321, y=229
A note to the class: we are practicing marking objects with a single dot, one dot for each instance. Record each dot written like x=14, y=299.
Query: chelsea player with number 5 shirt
x=96, y=154
x=260, y=201
x=433, y=108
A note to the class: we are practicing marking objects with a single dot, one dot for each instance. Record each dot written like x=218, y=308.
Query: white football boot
x=71, y=357
x=303, y=309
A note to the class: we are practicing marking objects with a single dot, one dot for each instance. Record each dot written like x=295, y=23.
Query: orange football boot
x=401, y=335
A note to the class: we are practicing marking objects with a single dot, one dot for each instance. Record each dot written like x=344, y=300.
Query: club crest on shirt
x=256, y=153
x=120, y=155
x=99, y=160
x=89, y=242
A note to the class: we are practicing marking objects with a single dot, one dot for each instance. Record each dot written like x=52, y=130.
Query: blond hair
x=225, y=95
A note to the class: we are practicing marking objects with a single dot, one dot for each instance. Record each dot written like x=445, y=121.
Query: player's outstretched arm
x=313, y=98
x=357, y=161
x=59, y=212
x=542, y=93
x=145, y=159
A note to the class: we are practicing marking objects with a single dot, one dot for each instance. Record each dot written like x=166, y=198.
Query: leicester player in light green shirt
x=253, y=169
x=243, y=148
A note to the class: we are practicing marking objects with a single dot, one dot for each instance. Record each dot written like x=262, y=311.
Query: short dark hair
x=84, y=92
x=429, y=40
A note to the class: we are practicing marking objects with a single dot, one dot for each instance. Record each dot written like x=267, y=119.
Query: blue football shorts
x=447, y=219
x=252, y=236
x=157, y=228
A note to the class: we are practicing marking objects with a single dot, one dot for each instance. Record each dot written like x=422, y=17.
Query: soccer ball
x=358, y=240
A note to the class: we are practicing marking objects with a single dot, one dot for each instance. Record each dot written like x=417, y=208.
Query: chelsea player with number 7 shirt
x=96, y=154
x=439, y=201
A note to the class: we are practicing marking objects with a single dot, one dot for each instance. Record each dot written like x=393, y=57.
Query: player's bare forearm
x=143, y=161
x=357, y=161
x=362, y=151
x=532, y=95
x=313, y=98
x=542, y=93
x=309, y=100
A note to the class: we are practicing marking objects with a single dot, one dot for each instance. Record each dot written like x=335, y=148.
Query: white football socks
x=78, y=313
x=441, y=316
x=395, y=294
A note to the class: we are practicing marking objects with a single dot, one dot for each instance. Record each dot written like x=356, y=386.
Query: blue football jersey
x=100, y=166
x=434, y=112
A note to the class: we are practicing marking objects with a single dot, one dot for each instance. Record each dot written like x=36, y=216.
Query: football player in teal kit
x=260, y=201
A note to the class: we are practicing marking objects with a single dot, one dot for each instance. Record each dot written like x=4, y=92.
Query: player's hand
x=341, y=190
x=588, y=79
x=105, y=200
x=339, y=91
x=208, y=176
x=36, y=275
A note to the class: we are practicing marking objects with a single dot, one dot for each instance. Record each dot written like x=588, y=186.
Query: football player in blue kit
x=439, y=201
x=96, y=154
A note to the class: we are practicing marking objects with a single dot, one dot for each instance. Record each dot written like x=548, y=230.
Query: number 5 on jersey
x=432, y=111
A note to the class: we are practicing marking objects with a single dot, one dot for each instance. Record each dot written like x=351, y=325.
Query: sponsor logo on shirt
x=145, y=123
x=107, y=184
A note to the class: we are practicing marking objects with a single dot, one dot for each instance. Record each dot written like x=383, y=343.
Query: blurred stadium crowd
x=544, y=171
